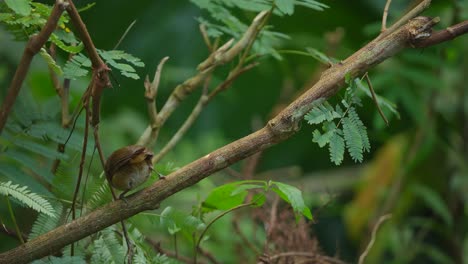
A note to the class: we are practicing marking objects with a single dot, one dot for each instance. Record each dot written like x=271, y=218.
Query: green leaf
x=434, y=201
x=228, y=196
x=336, y=148
x=51, y=62
x=25, y=197
x=45, y=223
x=20, y=7
x=285, y=6
x=293, y=196
x=107, y=248
x=78, y=66
x=321, y=113
x=352, y=114
x=353, y=139
x=311, y=4
x=321, y=57
x=73, y=49
x=177, y=221
x=61, y=260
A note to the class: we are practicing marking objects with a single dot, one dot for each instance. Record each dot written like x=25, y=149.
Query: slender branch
x=221, y=56
x=13, y=219
x=404, y=19
x=374, y=98
x=197, y=245
x=245, y=239
x=183, y=129
x=124, y=34
x=364, y=254
x=151, y=91
x=444, y=35
x=278, y=129
x=205, y=36
x=12, y=233
x=33, y=46
x=202, y=102
x=384, y=16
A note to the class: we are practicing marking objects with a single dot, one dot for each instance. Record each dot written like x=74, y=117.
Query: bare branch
x=410, y=15
x=364, y=254
x=374, y=98
x=151, y=91
x=384, y=16
x=221, y=56
x=444, y=35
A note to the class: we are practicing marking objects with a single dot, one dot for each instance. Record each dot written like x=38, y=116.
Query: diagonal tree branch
x=278, y=129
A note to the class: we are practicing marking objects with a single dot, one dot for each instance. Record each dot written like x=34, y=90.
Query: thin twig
x=221, y=56
x=124, y=34
x=197, y=245
x=306, y=254
x=443, y=35
x=232, y=76
x=246, y=240
x=374, y=98
x=410, y=15
x=13, y=219
x=12, y=233
x=151, y=91
x=384, y=16
x=205, y=36
x=202, y=102
x=33, y=46
x=364, y=254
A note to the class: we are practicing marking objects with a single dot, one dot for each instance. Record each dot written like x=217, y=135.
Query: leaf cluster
x=341, y=127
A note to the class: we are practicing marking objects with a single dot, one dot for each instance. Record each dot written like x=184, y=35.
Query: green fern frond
x=100, y=195
x=107, y=248
x=25, y=197
x=352, y=114
x=77, y=67
x=45, y=223
x=321, y=113
x=337, y=147
x=353, y=139
x=61, y=260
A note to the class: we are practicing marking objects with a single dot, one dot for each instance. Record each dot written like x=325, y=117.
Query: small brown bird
x=128, y=167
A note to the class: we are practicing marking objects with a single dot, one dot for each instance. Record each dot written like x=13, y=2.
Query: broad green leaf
x=20, y=7
x=293, y=196
x=228, y=196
